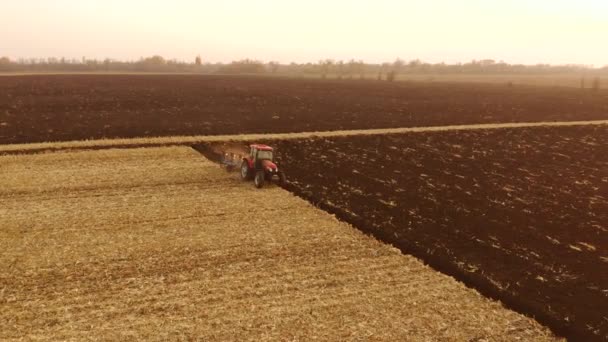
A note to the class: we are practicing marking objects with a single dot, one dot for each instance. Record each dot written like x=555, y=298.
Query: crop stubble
x=159, y=243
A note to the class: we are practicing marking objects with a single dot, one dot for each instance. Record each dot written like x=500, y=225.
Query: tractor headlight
x=269, y=169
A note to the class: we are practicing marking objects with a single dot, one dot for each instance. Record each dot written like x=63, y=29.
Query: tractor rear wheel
x=259, y=179
x=282, y=179
x=245, y=171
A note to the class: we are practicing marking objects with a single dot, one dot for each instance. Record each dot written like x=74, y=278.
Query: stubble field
x=161, y=244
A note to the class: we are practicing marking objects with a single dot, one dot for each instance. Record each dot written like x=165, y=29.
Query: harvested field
x=518, y=213
x=160, y=244
x=201, y=139
x=41, y=108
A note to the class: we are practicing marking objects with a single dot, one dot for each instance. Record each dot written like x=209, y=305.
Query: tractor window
x=265, y=155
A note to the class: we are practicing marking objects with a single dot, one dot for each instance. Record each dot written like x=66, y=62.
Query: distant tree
x=361, y=69
x=414, y=64
x=390, y=76
x=340, y=66
x=487, y=62
x=155, y=60
x=383, y=69
x=273, y=66
x=295, y=69
x=596, y=84
x=245, y=66
x=154, y=63
x=355, y=67
x=326, y=66
x=352, y=68
x=398, y=65
x=5, y=64
x=323, y=69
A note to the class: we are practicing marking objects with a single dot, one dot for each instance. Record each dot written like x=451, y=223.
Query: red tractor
x=259, y=165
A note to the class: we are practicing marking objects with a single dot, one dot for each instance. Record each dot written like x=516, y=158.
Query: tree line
x=323, y=68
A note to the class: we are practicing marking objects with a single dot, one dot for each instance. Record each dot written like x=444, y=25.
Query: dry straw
x=160, y=244
x=186, y=140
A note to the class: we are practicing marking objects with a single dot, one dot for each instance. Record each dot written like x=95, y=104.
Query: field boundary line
x=195, y=139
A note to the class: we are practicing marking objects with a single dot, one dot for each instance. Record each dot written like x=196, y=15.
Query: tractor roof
x=261, y=147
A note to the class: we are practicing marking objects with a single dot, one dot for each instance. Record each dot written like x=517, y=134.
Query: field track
x=190, y=140
x=159, y=243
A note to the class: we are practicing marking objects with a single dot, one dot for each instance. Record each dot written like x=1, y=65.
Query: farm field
x=547, y=80
x=160, y=243
x=37, y=108
x=518, y=213
x=571, y=80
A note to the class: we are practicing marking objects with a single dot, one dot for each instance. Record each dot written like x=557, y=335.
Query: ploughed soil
x=520, y=214
x=40, y=108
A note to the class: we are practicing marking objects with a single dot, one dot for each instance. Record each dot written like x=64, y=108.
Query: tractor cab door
x=254, y=158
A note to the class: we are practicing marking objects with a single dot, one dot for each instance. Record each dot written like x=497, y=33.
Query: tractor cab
x=259, y=165
x=259, y=154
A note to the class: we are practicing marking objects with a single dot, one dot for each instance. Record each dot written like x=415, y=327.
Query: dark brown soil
x=73, y=107
x=521, y=214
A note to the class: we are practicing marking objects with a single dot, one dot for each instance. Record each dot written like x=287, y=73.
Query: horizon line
x=84, y=59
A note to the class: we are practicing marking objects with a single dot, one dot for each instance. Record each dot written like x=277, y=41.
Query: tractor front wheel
x=245, y=171
x=259, y=179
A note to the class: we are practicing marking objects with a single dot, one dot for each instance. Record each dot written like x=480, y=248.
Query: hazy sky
x=518, y=31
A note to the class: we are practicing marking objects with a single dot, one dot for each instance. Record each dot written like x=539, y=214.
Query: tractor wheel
x=245, y=171
x=282, y=179
x=259, y=179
